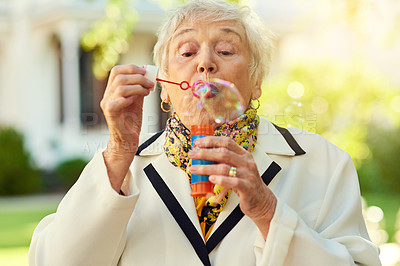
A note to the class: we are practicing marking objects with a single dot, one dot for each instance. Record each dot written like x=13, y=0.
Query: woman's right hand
x=122, y=106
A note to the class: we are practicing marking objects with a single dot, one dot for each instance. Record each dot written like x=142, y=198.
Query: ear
x=164, y=94
x=256, y=93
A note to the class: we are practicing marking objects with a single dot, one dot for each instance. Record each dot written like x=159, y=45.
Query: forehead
x=220, y=28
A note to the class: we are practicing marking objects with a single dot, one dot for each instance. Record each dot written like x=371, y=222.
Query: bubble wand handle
x=200, y=184
x=184, y=84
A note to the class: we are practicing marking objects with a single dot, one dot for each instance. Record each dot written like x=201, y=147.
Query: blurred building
x=47, y=89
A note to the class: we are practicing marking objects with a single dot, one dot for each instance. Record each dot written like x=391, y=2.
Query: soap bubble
x=220, y=98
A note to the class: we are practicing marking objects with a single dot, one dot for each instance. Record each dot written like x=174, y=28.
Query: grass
x=16, y=227
x=19, y=217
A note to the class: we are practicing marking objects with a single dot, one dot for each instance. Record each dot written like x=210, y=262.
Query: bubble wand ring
x=184, y=85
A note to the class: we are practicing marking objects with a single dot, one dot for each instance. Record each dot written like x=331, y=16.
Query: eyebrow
x=230, y=30
x=182, y=31
x=226, y=30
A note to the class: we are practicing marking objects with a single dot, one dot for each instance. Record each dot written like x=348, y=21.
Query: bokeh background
x=335, y=72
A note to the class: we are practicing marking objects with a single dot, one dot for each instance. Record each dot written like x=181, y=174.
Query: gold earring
x=162, y=106
x=258, y=104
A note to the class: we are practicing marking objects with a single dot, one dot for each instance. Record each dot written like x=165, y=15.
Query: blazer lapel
x=178, y=183
x=172, y=192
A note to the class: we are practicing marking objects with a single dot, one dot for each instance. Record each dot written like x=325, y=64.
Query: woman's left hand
x=256, y=200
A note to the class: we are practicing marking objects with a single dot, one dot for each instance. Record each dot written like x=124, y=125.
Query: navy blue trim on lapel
x=236, y=215
x=196, y=240
x=147, y=143
x=290, y=140
x=180, y=216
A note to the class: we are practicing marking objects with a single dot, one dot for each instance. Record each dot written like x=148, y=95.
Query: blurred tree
x=338, y=101
x=109, y=37
x=381, y=172
x=18, y=175
x=69, y=170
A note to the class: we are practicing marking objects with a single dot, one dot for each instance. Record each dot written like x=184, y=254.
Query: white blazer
x=318, y=218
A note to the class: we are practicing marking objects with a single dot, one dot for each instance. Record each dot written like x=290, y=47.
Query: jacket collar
x=277, y=140
x=271, y=138
x=175, y=193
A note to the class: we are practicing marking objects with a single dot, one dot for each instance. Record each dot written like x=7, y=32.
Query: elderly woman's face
x=207, y=50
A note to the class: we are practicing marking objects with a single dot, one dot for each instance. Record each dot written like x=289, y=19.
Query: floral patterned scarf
x=242, y=130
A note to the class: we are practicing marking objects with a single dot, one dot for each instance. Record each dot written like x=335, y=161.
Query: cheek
x=246, y=95
x=242, y=80
x=173, y=65
x=240, y=67
x=177, y=71
x=171, y=69
x=178, y=97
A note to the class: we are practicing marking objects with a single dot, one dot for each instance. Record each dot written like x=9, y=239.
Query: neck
x=202, y=118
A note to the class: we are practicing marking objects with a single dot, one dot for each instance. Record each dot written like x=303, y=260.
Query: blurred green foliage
x=18, y=175
x=68, y=171
x=109, y=37
x=381, y=172
x=346, y=104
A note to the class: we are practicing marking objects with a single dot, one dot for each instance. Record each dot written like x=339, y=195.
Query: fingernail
x=211, y=178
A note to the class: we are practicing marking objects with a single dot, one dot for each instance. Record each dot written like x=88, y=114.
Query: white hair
x=259, y=38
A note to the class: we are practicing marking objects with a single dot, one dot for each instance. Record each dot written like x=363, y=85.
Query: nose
x=206, y=64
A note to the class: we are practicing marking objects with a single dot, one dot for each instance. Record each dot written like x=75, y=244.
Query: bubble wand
x=221, y=99
x=184, y=84
x=200, y=184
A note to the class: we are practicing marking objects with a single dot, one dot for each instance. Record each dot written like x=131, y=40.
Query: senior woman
x=280, y=198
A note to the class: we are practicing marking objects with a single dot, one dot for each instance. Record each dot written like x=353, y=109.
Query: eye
x=187, y=54
x=225, y=48
x=187, y=49
x=225, y=53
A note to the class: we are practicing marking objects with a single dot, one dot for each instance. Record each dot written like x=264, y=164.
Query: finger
x=121, y=81
x=235, y=183
x=131, y=90
x=219, y=142
x=220, y=155
x=132, y=79
x=117, y=104
x=126, y=69
x=212, y=169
